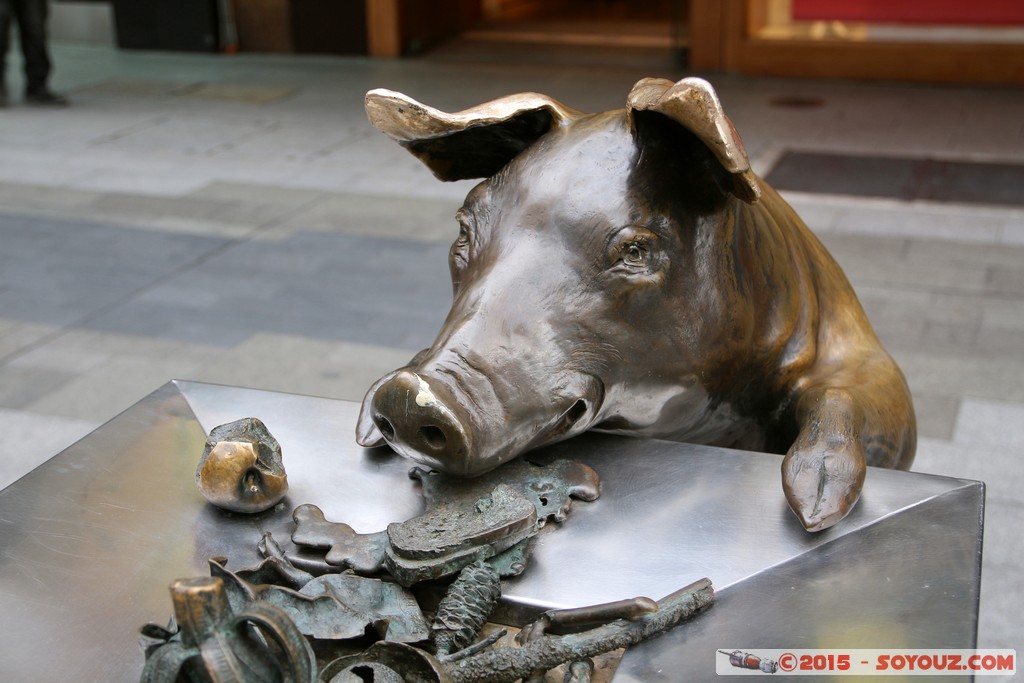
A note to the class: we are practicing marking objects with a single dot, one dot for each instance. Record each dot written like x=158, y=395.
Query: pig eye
x=633, y=251
x=463, y=238
x=459, y=253
x=635, y=255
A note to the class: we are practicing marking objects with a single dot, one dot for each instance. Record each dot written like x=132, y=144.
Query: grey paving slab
x=1007, y=279
x=176, y=321
x=304, y=366
x=819, y=218
x=175, y=177
x=955, y=257
x=57, y=354
x=16, y=335
x=991, y=423
x=25, y=166
x=272, y=198
x=341, y=287
x=28, y=196
x=918, y=220
x=236, y=93
x=187, y=136
x=923, y=321
x=998, y=466
x=999, y=343
x=986, y=326
x=1001, y=577
x=374, y=216
x=291, y=141
x=991, y=126
x=1013, y=232
x=58, y=272
x=922, y=222
x=71, y=339
x=911, y=263
x=1003, y=314
x=952, y=338
x=20, y=386
x=955, y=375
x=189, y=207
x=112, y=387
x=936, y=415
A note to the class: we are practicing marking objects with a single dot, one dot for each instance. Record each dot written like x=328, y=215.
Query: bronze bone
x=628, y=272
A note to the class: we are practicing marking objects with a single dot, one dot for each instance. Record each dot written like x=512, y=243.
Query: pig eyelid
x=464, y=236
x=631, y=249
x=465, y=227
x=465, y=217
x=621, y=239
x=459, y=252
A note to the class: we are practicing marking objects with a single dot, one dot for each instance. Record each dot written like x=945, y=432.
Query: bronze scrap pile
x=344, y=608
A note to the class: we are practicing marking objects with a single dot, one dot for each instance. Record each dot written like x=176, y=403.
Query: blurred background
x=214, y=205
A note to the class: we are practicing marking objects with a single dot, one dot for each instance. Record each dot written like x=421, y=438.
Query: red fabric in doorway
x=975, y=12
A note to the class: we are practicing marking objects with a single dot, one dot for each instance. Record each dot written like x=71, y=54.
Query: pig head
x=628, y=272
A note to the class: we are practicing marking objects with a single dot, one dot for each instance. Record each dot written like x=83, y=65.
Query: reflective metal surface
x=90, y=541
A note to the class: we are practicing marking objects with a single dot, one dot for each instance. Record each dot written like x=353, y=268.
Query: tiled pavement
x=236, y=220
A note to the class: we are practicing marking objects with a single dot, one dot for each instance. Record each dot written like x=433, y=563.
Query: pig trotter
x=824, y=470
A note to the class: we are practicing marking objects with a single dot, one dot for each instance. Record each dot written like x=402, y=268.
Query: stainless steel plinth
x=90, y=540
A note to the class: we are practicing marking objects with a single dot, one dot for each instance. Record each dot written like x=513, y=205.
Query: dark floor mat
x=902, y=178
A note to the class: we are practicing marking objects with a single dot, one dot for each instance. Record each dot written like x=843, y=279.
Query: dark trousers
x=30, y=17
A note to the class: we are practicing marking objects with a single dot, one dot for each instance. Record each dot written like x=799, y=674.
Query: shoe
x=45, y=98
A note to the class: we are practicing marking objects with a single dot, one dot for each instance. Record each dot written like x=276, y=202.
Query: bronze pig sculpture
x=628, y=272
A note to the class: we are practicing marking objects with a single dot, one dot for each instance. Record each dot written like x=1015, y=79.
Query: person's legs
x=5, y=38
x=32, y=15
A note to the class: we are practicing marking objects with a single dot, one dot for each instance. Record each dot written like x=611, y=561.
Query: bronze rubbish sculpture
x=241, y=467
x=344, y=607
x=628, y=272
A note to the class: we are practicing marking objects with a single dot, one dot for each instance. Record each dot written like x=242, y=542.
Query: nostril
x=387, y=430
x=434, y=437
x=578, y=410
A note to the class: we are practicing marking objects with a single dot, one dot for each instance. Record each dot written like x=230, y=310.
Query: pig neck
x=784, y=279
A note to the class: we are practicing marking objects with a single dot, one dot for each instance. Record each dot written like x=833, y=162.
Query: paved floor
x=237, y=220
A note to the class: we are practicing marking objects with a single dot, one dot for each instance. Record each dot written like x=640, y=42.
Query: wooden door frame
x=383, y=28
x=724, y=38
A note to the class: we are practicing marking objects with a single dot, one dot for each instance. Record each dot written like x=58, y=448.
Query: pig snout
x=425, y=420
x=421, y=422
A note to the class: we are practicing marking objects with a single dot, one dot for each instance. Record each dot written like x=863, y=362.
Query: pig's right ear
x=693, y=104
x=474, y=143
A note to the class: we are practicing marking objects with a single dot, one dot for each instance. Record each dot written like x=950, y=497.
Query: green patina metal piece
x=214, y=643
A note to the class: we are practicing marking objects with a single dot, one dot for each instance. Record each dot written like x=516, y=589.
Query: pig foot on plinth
x=823, y=472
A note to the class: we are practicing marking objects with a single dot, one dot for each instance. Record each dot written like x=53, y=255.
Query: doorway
x=605, y=32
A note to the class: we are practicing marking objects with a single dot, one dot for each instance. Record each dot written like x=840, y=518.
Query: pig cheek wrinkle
x=625, y=312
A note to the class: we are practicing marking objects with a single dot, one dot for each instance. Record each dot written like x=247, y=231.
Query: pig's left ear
x=693, y=104
x=475, y=143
